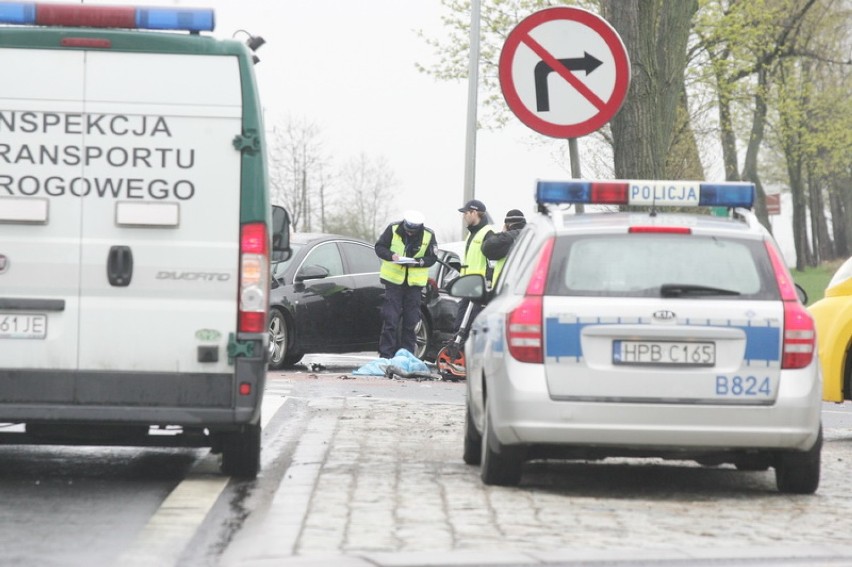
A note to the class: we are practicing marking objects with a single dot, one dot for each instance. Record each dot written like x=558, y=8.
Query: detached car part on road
x=135, y=232
x=681, y=336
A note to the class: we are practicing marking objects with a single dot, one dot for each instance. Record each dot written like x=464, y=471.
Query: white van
x=135, y=231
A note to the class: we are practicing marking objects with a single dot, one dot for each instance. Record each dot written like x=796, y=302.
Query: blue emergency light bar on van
x=93, y=16
x=651, y=193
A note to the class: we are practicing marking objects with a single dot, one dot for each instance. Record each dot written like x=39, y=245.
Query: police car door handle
x=120, y=266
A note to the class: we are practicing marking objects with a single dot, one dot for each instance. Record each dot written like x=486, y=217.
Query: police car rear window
x=661, y=265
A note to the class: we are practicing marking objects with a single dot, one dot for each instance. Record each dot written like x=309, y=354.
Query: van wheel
x=241, y=452
x=501, y=465
x=422, y=332
x=798, y=472
x=472, y=441
x=278, y=338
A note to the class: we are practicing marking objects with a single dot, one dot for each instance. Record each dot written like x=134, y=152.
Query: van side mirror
x=280, y=234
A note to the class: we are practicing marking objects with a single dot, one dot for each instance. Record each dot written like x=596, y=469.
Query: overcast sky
x=349, y=67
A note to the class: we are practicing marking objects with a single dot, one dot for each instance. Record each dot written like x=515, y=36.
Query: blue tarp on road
x=403, y=359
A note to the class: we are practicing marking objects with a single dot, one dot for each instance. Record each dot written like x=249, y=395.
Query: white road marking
x=174, y=524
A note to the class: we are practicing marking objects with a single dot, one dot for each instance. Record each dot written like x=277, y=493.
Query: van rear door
x=40, y=250
x=121, y=196
x=160, y=228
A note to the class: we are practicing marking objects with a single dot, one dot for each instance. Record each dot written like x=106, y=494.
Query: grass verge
x=814, y=280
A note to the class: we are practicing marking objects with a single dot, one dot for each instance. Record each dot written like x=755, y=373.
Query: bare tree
x=297, y=171
x=365, y=192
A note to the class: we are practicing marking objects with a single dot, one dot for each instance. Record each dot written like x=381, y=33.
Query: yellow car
x=833, y=317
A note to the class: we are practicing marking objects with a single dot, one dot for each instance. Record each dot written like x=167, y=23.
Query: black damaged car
x=327, y=298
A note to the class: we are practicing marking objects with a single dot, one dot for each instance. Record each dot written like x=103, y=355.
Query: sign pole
x=472, y=92
x=574, y=154
x=564, y=72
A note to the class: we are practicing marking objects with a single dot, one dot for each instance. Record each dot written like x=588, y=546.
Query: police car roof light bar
x=92, y=16
x=651, y=193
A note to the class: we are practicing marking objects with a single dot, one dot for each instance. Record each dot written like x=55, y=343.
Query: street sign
x=773, y=203
x=564, y=72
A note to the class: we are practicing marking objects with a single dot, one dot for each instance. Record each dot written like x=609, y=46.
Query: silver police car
x=643, y=334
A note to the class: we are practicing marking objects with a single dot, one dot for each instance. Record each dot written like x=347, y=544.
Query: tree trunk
x=755, y=139
x=800, y=207
x=726, y=132
x=822, y=244
x=655, y=33
x=684, y=159
x=839, y=220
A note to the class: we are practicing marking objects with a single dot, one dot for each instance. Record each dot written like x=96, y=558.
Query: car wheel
x=472, y=441
x=501, y=465
x=241, y=452
x=422, y=332
x=278, y=337
x=798, y=472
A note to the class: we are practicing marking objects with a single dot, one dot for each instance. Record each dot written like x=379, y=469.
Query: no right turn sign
x=564, y=72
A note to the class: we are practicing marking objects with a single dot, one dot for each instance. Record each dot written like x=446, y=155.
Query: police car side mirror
x=471, y=286
x=803, y=295
x=280, y=233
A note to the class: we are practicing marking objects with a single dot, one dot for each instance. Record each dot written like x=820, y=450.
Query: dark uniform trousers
x=402, y=305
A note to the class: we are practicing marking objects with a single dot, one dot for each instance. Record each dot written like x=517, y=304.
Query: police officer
x=496, y=245
x=407, y=249
x=474, y=262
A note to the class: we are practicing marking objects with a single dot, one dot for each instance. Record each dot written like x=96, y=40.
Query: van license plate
x=21, y=326
x=664, y=353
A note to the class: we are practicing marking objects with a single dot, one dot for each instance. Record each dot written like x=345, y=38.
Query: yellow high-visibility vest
x=395, y=273
x=498, y=267
x=474, y=260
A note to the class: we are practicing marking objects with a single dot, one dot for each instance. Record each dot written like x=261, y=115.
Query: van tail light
x=799, y=342
x=254, y=278
x=525, y=324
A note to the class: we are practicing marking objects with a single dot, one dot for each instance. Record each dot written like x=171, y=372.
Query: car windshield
x=654, y=265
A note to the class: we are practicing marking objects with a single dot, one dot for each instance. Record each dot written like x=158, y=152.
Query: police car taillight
x=92, y=16
x=524, y=324
x=799, y=331
x=651, y=193
x=254, y=278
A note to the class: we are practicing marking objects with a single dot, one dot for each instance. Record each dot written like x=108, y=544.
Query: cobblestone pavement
x=382, y=482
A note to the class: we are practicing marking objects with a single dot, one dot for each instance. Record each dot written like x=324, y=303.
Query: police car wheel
x=472, y=441
x=798, y=472
x=501, y=465
x=241, y=452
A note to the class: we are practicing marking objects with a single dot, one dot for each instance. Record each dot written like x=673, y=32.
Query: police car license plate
x=664, y=353
x=22, y=326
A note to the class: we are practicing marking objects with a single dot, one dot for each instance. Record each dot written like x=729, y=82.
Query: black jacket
x=497, y=244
